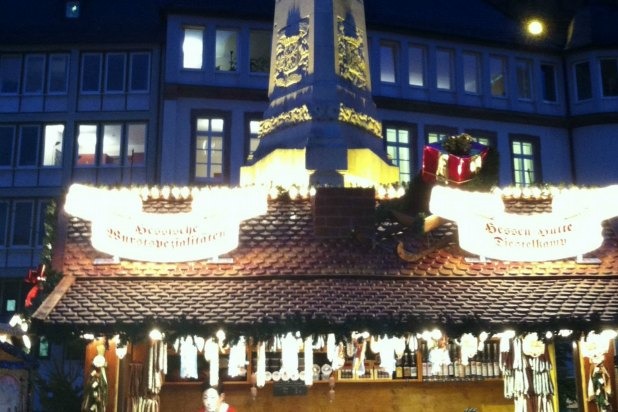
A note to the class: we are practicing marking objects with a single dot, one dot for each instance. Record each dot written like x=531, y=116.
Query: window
x=523, y=69
x=91, y=73
x=548, y=82
x=209, y=149
x=35, y=74
x=58, y=72
x=484, y=137
x=139, y=72
x=21, y=233
x=192, y=48
x=437, y=134
x=388, y=62
x=114, y=73
x=43, y=348
x=471, y=72
x=497, y=76
x=111, y=144
x=259, y=51
x=253, y=139
x=10, y=294
x=38, y=145
x=609, y=77
x=4, y=219
x=444, y=69
x=226, y=50
x=7, y=139
x=524, y=153
x=583, y=81
x=10, y=71
x=416, y=66
x=52, y=144
x=398, y=146
x=28, y=145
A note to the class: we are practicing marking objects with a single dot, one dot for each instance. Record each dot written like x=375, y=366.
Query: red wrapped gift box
x=440, y=165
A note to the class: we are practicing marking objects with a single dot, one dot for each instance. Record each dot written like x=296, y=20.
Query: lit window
x=497, y=76
x=524, y=162
x=34, y=75
x=254, y=140
x=58, y=73
x=226, y=53
x=259, y=51
x=609, y=77
x=524, y=86
x=484, y=137
x=136, y=144
x=416, y=66
x=471, y=72
x=11, y=305
x=398, y=144
x=114, y=73
x=10, y=71
x=52, y=145
x=444, y=69
x=209, y=149
x=437, y=134
x=111, y=144
x=548, y=82
x=112, y=141
x=192, y=48
x=43, y=347
x=388, y=63
x=583, y=81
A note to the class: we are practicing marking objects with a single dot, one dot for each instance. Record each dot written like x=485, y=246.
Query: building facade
x=172, y=93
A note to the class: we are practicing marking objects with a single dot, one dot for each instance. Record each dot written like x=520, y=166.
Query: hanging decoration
x=526, y=368
x=187, y=349
x=260, y=372
x=289, y=355
x=594, y=347
x=36, y=277
x=455, y=160
x=359, y=345
x=211, y=354
x=237, y=363
x=95, y=390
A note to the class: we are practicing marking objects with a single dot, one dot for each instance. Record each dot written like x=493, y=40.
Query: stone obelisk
x=321, y=126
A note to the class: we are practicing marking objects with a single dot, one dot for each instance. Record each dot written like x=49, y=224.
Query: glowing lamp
x=535, y=27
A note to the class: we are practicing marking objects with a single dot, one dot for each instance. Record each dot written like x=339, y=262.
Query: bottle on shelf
x=413, y=365
x=407, y=363
x=398, y=374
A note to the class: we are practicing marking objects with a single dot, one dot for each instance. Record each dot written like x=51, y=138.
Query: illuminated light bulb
x=436, y=334
x=165, y=192
x=155, y=193
x=24, y=326
x=155, y=334
x=381, y=192
x=121, y=351
x=185, y=192
x=548, y=335
x=15, y=320
x=565, y=332
x=535, y=27
x=88, y=336
x=609, y=334
x=293, y=192
x=312, y=191
x=401, y=191
x=273, y=193
x=303, y=192
x=176, y=192
x=220, y=335
x=26, y=341
x=4, y=338
x=392, y=193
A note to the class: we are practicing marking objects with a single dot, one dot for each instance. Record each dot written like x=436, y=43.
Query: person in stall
x=213, y=400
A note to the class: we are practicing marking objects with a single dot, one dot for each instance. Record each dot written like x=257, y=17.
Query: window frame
x=50, y=67
x=439, y=130
x=450, y=54
x=13, y=141
x=412, y=130
x=226, y=139
x=503, y=72
x=423, y=65
x=131, y=73
x=576, y=83
x=250, y=43
x=28, y=66
x=545, y=84
x=535, y=158
x=123, y=159
x=491, y=136
x=108, y=74
x=477, y=72
x=16, y=71
x=523, y=77
x=184, y=54
x=613, y=76
x=394, y=60
x=248, y=153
